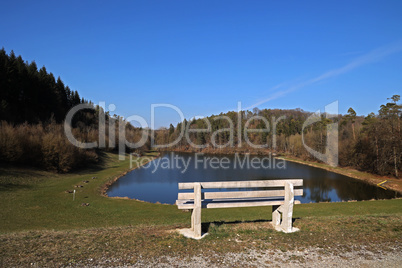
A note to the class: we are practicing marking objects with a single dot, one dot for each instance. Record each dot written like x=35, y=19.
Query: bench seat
x=276, y=193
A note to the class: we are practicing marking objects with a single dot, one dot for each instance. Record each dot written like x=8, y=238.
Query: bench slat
x=241, y=184
x=239, y=194
x=256, y=203
x=182, y=201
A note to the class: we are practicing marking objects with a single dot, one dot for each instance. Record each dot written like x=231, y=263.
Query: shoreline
x=105, y=186
x=392, y=183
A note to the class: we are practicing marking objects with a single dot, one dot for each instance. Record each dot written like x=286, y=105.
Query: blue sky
x=205, y=56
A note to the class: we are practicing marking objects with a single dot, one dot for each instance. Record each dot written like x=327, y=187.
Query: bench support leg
x=286, y=210
x=286, y=223
x=196, y=214
x=276, y=216
x=195, y=230
x=192, y=220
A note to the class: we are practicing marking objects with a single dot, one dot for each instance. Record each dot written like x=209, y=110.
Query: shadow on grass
x=206, y=225
x=103, y=158
x=19, y=170
x=15, y=178
x=19, y=177
x=13, y=186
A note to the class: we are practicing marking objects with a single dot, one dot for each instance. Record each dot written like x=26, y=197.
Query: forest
x=372, y=143
x=34, y=105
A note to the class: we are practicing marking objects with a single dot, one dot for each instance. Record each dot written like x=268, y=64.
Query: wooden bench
x=276, y=193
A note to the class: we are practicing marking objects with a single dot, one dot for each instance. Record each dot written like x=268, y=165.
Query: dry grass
x=129, y=245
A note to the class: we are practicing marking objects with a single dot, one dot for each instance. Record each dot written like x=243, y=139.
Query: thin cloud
x=375, y=55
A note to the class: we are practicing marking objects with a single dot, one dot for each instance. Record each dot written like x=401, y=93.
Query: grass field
x=40, y=222
x=34, y=200
x=37, y=200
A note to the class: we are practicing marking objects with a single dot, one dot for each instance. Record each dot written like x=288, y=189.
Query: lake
x=158, y=180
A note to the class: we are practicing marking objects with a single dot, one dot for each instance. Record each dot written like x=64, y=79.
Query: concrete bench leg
x=276, y=216
x=284, y=225
x=195, y=230
x=192, y=220
x=196, y=214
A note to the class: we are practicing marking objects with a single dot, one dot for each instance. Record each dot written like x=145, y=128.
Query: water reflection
x=158, y=182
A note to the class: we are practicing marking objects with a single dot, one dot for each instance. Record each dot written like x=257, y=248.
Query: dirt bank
x=384, y=181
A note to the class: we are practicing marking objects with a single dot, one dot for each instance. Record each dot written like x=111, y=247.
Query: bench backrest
x=244, y=189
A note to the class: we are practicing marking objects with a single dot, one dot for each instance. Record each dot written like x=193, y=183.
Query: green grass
x=37, y=200
x=34, y=200
x=41, y=224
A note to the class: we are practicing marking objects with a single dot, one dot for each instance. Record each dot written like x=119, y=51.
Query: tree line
x=372, y=143
x=31, y=95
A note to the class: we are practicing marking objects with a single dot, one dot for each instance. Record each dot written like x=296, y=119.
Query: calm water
x=157, y=181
